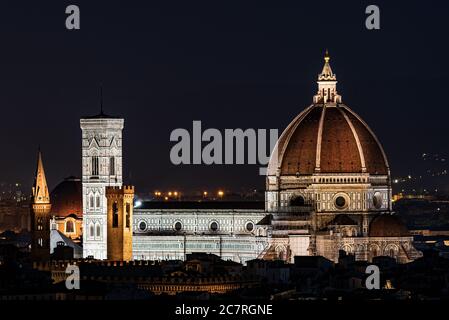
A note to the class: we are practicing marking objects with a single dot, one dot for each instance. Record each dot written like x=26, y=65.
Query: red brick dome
x=67, y=199
x=329, y=138
x=386, y=225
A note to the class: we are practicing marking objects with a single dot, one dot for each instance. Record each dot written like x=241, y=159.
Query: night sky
x=227, y=64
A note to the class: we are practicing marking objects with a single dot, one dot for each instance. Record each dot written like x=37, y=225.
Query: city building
x=328, y=189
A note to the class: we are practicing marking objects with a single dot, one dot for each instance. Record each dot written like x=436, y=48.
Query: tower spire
x=327, y=84
x=40, y=214
x=40, y=188
x=101, y=99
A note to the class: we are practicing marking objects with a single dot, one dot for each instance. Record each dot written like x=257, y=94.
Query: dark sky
x=227, y=64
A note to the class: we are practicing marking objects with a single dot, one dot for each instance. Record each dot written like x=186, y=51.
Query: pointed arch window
x=69, y=227
x=98, y=204
x=98, y=230
x=91, y=201
x=91, y=231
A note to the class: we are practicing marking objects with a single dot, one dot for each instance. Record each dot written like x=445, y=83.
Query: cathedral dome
x=66, y=198
x=386, y=225
x=328, y=137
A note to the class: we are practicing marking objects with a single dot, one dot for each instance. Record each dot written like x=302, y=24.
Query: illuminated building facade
x=177, y=229
x=328, y=188
x=101, y=167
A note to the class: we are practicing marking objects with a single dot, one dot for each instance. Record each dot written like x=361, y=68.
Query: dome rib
x=299, y=152
x=371, y=150
x=279, y=149
x=328, y=139
x=357, y=140
x=339, y=153
x=319, y=140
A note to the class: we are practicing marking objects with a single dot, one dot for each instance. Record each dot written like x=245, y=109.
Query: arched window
x=98, y=231
x=114, y=215
x=98, y=201
x=392, y=253
x=91, y=199
x=281, y=255
x=297, y=201
x=69, y=227
x=347, y=249
x=91, y=231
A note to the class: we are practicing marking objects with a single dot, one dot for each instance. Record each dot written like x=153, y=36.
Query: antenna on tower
x=101, y=98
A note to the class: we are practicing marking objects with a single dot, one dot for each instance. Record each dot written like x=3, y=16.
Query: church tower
x=119, y=221
x=40, y=210
x=101, y=167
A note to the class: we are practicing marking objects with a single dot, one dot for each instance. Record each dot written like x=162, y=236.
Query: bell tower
x=40, y=209
x=120, y=223
x=101, y=167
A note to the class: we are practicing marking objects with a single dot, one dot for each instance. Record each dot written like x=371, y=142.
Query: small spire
x=327, y=84
x=40, y=188
x=326, y=73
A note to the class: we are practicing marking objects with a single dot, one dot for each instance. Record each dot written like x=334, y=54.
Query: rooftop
x=248, y=205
